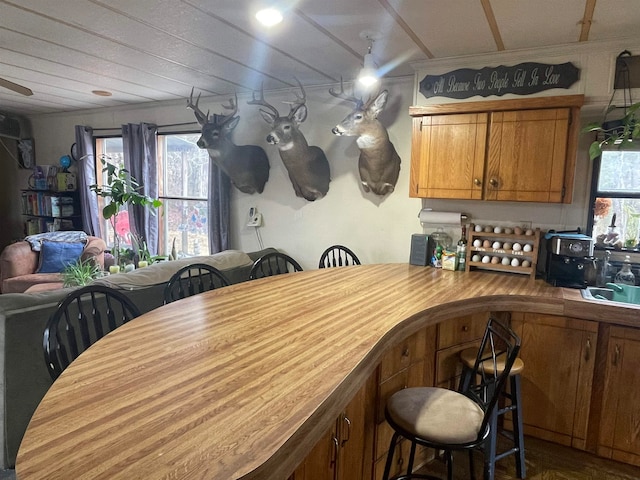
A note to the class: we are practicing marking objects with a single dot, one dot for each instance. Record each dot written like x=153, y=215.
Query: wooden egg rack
x=532, y=256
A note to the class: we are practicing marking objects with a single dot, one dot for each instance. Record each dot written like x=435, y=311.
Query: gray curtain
x=140, y=158
x=86, y=164
x=219, y=200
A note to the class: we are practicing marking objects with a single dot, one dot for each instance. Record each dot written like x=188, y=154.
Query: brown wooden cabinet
x=559, y=356
x=511, y=150
x=619, y=432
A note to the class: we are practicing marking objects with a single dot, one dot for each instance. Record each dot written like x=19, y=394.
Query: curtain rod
x=159, y=126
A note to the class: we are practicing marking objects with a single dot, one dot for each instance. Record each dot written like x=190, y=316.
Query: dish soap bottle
x=625, y=275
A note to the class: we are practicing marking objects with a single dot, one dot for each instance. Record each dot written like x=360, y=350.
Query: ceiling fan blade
x=15, y=87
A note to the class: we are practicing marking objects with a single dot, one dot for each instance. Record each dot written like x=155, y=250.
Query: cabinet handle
x=616, y=355
x=587, y=350
x=405, y=352
x=494, y=183
x=336, y=448
x=465, y=328
x=477, y=182
x=346, y=420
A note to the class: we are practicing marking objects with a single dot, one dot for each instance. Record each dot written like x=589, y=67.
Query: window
x=183, y=179
x=615, y=196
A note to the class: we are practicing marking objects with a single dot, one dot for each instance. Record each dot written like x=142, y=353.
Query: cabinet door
x=447, y=156
x=527, y=155
x=351, y=428
x=619, y=436
x=559, y=358
x=321, y=462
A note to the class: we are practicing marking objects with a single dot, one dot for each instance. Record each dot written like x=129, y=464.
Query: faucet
x=604, y=270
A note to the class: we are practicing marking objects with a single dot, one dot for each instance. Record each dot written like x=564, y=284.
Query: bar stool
x=514, y=398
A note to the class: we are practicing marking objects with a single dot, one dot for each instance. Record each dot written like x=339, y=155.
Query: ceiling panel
x=151, y=50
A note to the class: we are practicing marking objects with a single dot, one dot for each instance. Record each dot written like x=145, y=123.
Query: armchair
x=19, y=264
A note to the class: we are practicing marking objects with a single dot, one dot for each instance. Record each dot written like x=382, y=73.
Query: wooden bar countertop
x=241, y=382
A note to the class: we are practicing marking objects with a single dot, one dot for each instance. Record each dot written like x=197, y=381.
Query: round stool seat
x=468, y=358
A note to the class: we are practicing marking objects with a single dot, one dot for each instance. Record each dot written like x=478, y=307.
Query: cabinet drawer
x=407, y=352
x=414, y=376
x=449, y=367
x=462, y=330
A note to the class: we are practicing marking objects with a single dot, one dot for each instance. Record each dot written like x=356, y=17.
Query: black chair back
x=274, y=263
x=193, y=279
x=338, y=256
x=497, y=353
x=81, y=319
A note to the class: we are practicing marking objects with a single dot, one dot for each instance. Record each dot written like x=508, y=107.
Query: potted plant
x=617, y=133
x=80, y=273
x=121, y=189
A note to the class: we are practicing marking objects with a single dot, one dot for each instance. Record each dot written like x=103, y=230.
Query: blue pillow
x=55, y=256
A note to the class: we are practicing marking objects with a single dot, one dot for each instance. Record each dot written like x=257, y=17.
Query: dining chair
x=193, y=279
x=449, y=420
x=338, y=256
x=274, y=263
x=82, y=318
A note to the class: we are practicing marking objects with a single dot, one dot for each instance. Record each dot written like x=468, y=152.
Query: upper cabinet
x=512, y=150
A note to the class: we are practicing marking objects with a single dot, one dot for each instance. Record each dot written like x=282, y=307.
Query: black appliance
x=565, y=258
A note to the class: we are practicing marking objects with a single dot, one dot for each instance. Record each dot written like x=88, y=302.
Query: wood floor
x=545, y=461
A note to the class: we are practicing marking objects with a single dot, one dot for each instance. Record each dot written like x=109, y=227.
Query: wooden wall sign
x=521, y=79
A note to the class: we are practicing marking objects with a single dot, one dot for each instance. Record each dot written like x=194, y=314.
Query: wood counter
x=241, y=382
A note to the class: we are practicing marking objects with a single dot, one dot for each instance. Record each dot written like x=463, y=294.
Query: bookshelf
x=49, y=211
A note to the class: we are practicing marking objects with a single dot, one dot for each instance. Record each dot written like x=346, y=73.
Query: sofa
x=24, y=378
x=19, y=263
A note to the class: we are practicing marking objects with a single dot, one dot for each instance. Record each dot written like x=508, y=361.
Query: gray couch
x=23, y=375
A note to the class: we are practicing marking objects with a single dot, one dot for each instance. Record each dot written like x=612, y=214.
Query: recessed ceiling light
x=269, y=17
x=101, y=93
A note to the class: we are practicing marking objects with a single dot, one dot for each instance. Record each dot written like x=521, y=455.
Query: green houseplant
x=120, y=189
x=80, y=273
x=617, y=133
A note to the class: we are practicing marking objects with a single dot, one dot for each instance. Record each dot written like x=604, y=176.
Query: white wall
x=377, y=229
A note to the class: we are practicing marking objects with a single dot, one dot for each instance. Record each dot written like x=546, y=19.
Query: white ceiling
x=150, y=50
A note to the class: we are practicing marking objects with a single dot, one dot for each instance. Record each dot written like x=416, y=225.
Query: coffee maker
x=565, y=258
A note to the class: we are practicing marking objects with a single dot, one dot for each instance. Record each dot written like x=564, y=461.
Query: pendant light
x=369, y=74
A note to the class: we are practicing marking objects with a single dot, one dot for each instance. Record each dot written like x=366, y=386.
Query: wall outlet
x=255, y=218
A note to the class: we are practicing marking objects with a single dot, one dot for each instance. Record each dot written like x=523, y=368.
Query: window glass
x=183, y=188
x=615, y=218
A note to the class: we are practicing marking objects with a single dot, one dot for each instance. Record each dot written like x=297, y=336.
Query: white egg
x=508, y=230
x=506, y=261
x=527, y=247
x=529, y=232
x=477, y=242
x=526, y=263
x=486, y=259
x=507, y=245
x=517, y=230
x=478, y=228
x=496, y=244
x=475, y=258
x=497, y=230
x=515, y=262
x=488, y=229
x=516, y=247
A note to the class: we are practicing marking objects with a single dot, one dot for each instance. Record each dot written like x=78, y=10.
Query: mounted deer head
x=246, y=165
x=307, y=165
x=379, y=163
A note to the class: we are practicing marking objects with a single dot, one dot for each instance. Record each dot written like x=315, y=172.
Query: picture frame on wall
x=26, y=153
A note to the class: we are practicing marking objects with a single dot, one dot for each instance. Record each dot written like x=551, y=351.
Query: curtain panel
x=86, y=164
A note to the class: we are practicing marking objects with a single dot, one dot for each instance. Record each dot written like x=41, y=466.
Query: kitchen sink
x=613, y=292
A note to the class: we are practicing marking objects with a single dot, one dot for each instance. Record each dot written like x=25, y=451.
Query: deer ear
x=268, y=116
x=379, y=103
x=300, y=114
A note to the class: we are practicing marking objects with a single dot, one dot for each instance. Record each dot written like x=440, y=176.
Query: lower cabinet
x=619, y=432
x=559, y=356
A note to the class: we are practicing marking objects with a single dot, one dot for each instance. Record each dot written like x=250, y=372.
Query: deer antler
x=344, y=96
x=299, y=101
x=202, y=118
x=233, y=106
x=262, y=102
